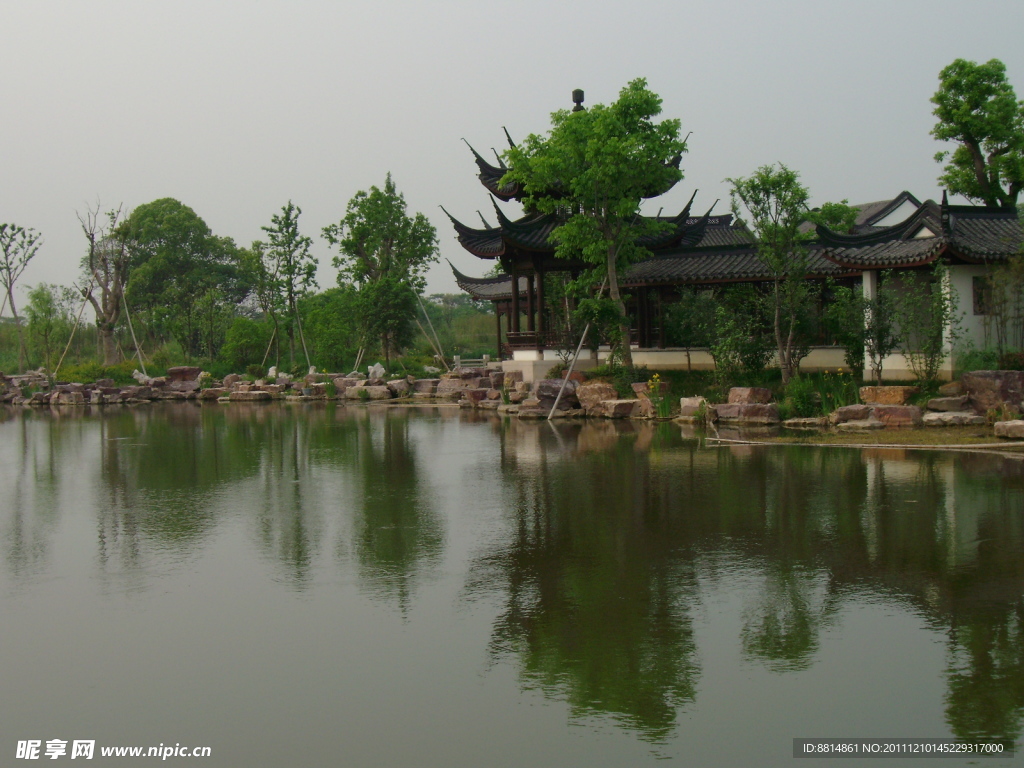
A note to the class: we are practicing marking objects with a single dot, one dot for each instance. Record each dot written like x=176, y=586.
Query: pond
x=314, y=585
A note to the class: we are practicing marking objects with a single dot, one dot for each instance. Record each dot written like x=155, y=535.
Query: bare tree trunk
x=613, y=293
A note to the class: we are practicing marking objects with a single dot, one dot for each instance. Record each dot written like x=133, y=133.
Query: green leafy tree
x=17, y=247
x=775, y=204
x=978, y=110
x=866, y=327
x=291, y=268
x=331, y=327
x=49, y=313
x=926, y=310
x=690, y=321
x=381, y=249
x=593, y=169
x=175, y=261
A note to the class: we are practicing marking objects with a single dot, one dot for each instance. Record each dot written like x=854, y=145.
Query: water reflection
x=610, y=539
x=615, y=526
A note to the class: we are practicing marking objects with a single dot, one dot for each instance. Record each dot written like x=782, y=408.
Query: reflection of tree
x=595, y=595
x=985, y=698
x=398, y=533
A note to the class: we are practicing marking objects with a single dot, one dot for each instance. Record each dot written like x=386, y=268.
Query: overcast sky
x=234, y=108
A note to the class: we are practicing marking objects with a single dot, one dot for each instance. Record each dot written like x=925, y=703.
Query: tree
x=866, y=326
x=593, y=169
x=382, y=248
x=776, y=206
x=291, y=267
x=106, y=266
x=175, y=261
x=977, y=108
x=49, y=313
x=926, y=310
x=17, y=247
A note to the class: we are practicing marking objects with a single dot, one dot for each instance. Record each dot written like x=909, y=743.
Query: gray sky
x=236, y=107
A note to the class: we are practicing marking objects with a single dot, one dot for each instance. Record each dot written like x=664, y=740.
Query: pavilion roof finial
x=577, y=99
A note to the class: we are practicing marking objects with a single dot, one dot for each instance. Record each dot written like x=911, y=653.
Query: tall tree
x=17, y=247
x=594, y=168
x=291, y=266
x=773, y=203
x=106, y=265
x=176, y=260
x=978, y=110
x=386, y=252
x=50, y=315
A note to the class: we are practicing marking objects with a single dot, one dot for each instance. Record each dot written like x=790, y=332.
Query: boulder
x=856, y=412
x=106, y=383
x=749, y=395
x=989, y=390
x=398, y=387
x=494, y=394
x=948, y=403
x=184, y=373
x=489, y=405
x=212, y=393
x=1010, y=429
x=508, y=408
x=548, y=389
x=377, y=392
x=897, y=415
x=860, y=425
x=450, y=387
x=511, y=377
x=517, y=397
x=691, y=406
x=810, y=422
x=375, y=371
x=952, y=389
x=231, y=380
x=497, y=379
x=250, y=396
x=425, y=386
x=474, y=396
x=748, y=413
x=896, y=395
x=591, y=393
x=613, y=409
x=182, y=385
x=953, y=419
x=68, y=397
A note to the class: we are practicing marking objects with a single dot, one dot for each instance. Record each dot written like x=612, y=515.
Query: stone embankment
x=979, y=397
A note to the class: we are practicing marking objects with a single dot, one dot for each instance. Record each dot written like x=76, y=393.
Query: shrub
x=1011, y=361
x=801, y=398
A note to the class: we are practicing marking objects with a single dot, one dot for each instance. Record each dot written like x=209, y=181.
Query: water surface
x=423, y=586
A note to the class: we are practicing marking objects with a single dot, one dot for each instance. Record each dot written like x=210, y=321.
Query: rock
x=497, y=379
x=377, y=392
x=140, y=377
x=356, y=375
x=952, y=419
x=272, y=373
x=897, y=415
x=231, y=380
x=398, y=387
x=67, y=398
x=952, y=389
x=811, y=422
x=948, y=403
x=516, y=397
x=989, y=390
x=212, y=393
x=494, y=394
x=522, y=386
x=489, y=405
x=591, y=393
x=283, y=379
x=748, y=413
x=508, y=408
x=532, y=413
x=748, y=395
x=182, y=385
x=689, y=407
x=431, y=369
x=548, y=389
x=250, y=396
x=105, y=383
x=184, y=373
x=897, y=395
x=450, y=388
x=511, y=377
x=847, y=413
x=425, y=386
x=860, y=425
x=1010, y=429
x=614, y=409
x=474, y=396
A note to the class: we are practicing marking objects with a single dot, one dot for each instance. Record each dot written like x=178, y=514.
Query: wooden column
x=540, y=304
x=497, y=319
x=661, y=317
x=514, y=325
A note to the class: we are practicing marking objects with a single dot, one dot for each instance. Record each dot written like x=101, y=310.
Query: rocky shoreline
x=978, y=398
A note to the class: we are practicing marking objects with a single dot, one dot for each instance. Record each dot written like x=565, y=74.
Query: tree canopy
x=385, y=252
x=593, y=169
x=977, y=109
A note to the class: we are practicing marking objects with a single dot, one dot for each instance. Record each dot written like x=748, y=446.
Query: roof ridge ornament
x=944, y=215
x=577, y=99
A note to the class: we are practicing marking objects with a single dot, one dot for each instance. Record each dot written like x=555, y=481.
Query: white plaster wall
x=961, y=279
